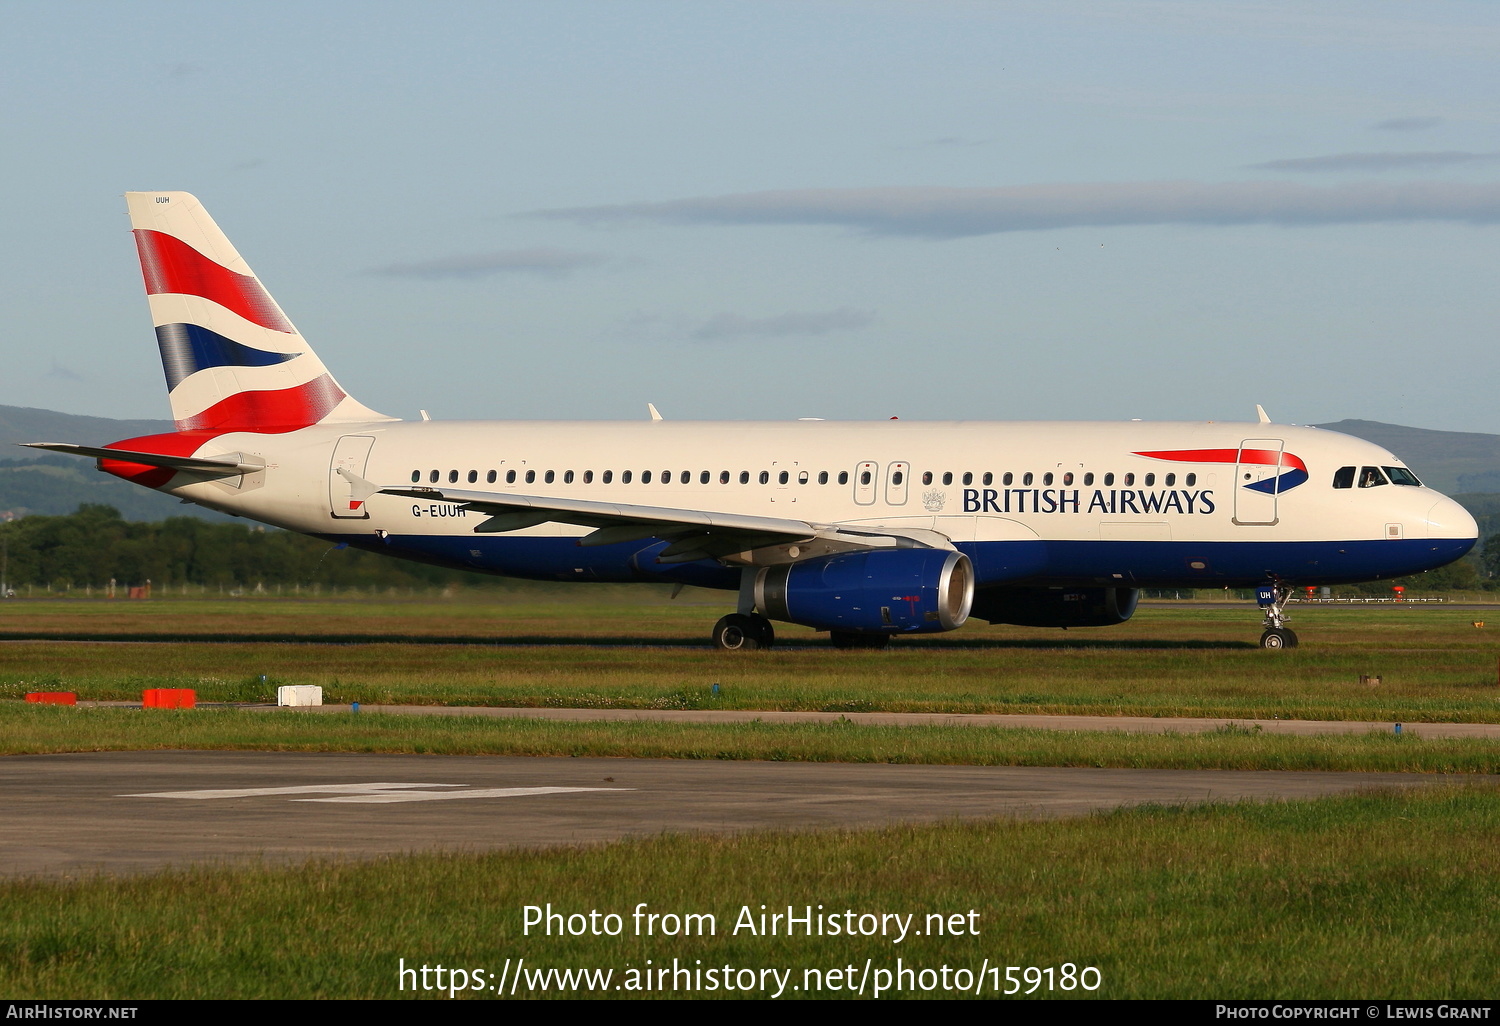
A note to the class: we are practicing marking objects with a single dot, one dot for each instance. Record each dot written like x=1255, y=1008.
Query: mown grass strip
x=1368, y=897
x=33, y=729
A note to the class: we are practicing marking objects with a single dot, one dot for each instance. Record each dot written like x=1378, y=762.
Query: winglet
x=1260, y=411
x=651, y=408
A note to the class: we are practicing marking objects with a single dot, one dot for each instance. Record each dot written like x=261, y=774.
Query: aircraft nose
x=1447, y=519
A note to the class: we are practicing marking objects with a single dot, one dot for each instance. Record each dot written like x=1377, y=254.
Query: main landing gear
x=742, y=632
x=1273, y=598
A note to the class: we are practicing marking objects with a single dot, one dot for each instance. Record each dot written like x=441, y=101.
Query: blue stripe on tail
x=189, y=348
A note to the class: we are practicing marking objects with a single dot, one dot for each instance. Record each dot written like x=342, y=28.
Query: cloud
x=1407, y=124
x=1375, y=161
x=724, y=326
x=948, y=213
x=62, y=373
x=549, y=262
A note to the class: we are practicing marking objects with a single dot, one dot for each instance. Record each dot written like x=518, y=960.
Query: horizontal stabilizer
x=197, y=464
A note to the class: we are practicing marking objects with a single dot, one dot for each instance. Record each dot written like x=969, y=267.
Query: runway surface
x=128, y=812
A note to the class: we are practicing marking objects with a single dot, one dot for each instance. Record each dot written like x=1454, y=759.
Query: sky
x=761, y=210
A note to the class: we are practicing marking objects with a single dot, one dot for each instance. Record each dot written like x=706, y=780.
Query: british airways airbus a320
x=864, y=530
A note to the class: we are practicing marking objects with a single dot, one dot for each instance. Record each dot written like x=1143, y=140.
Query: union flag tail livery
x=863, y=530
x=232, y=358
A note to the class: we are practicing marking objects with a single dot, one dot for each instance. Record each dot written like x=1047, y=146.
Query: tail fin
x=233, y=360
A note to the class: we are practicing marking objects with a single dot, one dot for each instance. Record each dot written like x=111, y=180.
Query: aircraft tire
x=1278, y=638
x=740, y=633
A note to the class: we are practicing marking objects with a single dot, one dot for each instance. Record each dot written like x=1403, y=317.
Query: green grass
x=1369, y=897
x=31, y=729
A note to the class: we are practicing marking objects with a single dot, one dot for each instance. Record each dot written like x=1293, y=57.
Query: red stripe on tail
x=273, y=412
x=170, y=265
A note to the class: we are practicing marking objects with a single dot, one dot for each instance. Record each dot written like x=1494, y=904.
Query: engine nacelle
x=881, y=591
x=1057, y=607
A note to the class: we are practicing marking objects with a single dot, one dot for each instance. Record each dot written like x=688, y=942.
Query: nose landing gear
x=1272, y=598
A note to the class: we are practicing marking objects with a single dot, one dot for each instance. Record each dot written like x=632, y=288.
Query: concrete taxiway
x=125, y=812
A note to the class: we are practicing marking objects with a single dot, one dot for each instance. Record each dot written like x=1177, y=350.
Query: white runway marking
x=438, y=796
x=371, y=794
x=256, y=792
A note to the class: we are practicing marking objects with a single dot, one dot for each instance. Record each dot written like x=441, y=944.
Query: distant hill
x=1450, y=461
x=24, y=424
x=33, y=481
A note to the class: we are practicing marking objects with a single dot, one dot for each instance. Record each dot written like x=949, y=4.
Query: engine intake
x=895, y=591
x=1057, y=607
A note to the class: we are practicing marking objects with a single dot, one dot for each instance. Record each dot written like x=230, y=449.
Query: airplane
x=863, y=530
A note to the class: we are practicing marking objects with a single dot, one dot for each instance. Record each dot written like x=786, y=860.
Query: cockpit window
x=1402, y=476
x=1343, y=477
x=1371, y=477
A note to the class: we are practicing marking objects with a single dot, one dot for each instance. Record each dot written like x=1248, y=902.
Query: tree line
x=95, y=545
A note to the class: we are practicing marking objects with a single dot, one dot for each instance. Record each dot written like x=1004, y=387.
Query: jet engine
x=1057, y=607
x=880, y=591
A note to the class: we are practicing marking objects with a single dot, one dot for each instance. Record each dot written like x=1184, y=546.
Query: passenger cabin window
x=1088, y=479
x=473, y=476
x=645, y=477
x=765, y=477
x=550, y=477
x=1129, y=479
x=1047, y=478
x=1009, y=479
x=802, y=477
x=687, y=477
x=1343, y=477
x=864, y=477
x=927, y=477
x=723, y=477
x=567, y=477
x=1192, y=479
x=703, y=478
x=968, y=477
x=843, y=477
x=897, y=478
x=1109, y=479
x=453, y=477
x=1068, y=478
x=625, y=477
x=1026, y=478
x=822, y=477
x=948, y=478
x=1150, y=480
x=1171, y=480
x=782, y=477
x=607, y=477
x=433, y=477
x=490, y=477
x=1402, y=476
x=988, y=479
x=416, y=475
x=1371, y=477
x=510, y=477
x=744, y=477
x=588, y=477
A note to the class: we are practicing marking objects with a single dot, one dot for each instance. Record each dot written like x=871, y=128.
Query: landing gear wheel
x=1279, y=637
x=742, y=632
x=848, y=639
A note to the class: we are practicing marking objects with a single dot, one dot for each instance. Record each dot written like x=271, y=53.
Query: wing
x=693, y=533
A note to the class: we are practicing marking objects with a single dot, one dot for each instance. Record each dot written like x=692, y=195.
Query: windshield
x=1402, y=476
